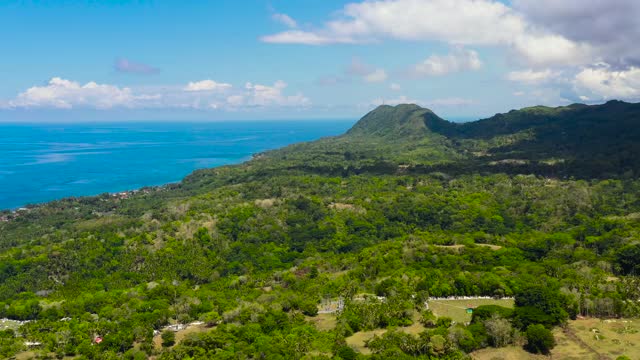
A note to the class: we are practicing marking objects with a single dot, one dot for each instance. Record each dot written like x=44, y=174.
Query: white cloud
x=458, y=22
x=306, y=38
x=531, y=76
x=378, y=75
x=456, y=61
x=395, y=87
x=611, y=27
x=207, y=85
x=65, y=94
x=545, y=49
x=443, y=102
x=454, y=101
x=235, y=100
x=602, y=82
x=393, y=101
x=265, y=95
x=285, y=20
x=519, y=93
x=60, y=93
x=366, y=72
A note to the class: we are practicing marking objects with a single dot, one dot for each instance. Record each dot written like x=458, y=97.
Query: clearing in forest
x=457, y=309
x=583, y=339
x=358, y=340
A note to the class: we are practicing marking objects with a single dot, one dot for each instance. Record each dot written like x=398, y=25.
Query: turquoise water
x=39, y=163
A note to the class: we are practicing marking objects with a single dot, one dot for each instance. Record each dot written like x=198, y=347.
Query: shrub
x=539, y=339
x=168, y=338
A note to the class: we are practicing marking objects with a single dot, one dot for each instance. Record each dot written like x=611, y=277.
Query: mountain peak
x=399, y=121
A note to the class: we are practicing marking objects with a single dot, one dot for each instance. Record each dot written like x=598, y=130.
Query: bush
x=444, y=322
x=168, y=338
x=486, y=312
x=346, y=353
x=427, y=319
x=309, y=308
x=539, y=339
x=211, y=318
x=540, y=305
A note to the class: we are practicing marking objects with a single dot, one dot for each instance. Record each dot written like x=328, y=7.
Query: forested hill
x=575, y=140
x=540, y=204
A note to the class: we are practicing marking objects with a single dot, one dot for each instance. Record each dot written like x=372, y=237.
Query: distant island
x=408, y=236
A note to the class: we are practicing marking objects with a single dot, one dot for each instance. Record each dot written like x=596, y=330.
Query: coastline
x=52, y=162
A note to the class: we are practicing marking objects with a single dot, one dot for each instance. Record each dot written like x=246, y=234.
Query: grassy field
x=608, y=338
x=506, y=353
x=583, y=339
x=323, y=322
x=358, y=340
x=181, y=334
x=457, y=309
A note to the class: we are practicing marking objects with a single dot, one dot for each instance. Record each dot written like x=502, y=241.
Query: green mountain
x=541, y=204
x=574, y=141
x=402, y=122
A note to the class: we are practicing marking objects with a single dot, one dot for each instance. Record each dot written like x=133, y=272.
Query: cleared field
x=609, y=338
x=457, y=309
x=357, y=341
x=506, y=353
x=323, y=322
x=181, y=334
x=583, y=339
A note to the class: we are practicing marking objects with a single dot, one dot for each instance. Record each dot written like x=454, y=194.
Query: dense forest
x=541, y=205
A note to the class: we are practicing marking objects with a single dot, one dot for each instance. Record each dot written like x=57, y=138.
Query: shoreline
x=35, y=193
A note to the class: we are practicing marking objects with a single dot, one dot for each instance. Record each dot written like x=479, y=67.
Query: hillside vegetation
x=401, y=207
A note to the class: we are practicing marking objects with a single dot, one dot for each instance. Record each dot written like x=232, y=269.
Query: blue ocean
x=43, y=162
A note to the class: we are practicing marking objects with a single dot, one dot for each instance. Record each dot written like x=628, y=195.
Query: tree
x=628, y=259
x=539, y=339
x=168, y=338
x=309, y=308
x=499, y=330
x=346, y=353
x=437, y=345
x=211, y=318
x=540, y=305
x=428, y=319
x=486, y=312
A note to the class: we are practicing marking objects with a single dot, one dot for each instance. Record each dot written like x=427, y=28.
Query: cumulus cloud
x=305, y=38
x=368, y=73
x=461, y=22
x=611, y=27
x=207, y=85
x=66, y=94
x=128, y=66
x=378, y=75
x=395, y=87
x=456, y=61
x=258, y=95
x=442, y=102
x=531, y=76
x=453, y=101
x=59, y=93
x=285, y=20
x=605, y=83
x=393, y=101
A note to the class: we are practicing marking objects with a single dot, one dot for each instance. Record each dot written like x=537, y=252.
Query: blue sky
x=216, y=60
